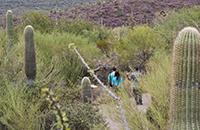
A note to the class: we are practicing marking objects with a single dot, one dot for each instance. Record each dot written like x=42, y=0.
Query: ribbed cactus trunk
x=86, y=89
x=9, y=30
x=185, y=93
x=30, y=59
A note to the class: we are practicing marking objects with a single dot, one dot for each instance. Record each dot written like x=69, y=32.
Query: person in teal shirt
x=111, y=76
x=117, y=80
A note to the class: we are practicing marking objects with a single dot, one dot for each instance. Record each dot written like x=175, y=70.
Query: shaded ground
x=125, y=12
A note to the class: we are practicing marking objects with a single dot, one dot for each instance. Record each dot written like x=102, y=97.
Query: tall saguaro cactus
x=86, y=89
x=30, y=59
x=9, y=29
x=185, y=92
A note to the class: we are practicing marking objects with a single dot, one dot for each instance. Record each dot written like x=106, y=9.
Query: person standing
x=111, y=76
x=117, y=80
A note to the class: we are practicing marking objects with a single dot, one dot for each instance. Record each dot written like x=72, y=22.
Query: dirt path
x=146, y=98
x=110, y=112
x=109, y=116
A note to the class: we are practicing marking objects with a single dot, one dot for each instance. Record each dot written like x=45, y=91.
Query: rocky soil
x=111, y=13
x=19, y=7
x=125, y=12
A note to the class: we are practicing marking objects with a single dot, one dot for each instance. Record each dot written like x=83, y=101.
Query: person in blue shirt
x=111, y=76
x=117, y=80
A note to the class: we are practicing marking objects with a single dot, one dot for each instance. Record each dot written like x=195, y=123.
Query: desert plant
x=61, y=117
x=9, y=29
x=86, y=89
x=39, y=21
x=83, y=116
x=19, y=108
x=30, y=59
x=185, y=90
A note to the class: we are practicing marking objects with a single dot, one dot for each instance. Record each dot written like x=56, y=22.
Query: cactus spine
x=86, y=89
x=9, y=29
x=30, y=59
x=185, y=92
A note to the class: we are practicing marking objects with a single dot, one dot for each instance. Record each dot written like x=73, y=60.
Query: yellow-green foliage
x=56, y=65
x=61, y=40
x=186, y=78
x=157, y=83
x=61, y=117
x=169, y=26
x=39, y=21
x=20, y=108
x=139, y=39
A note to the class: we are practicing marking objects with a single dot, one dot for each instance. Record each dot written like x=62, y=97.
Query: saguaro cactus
x=9, y=29
x=86, y=89
x=185, y=92
x=30, y=59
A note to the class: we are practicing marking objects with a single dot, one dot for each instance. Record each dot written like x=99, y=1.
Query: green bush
x=140, y=39
x=75, y=26
x=82, y=116
x=157, y=83
x=19, y=108
x=175, y=21
x=55, y=43
x=39, y=21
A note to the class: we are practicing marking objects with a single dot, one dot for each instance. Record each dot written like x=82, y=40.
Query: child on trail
x=111, y=77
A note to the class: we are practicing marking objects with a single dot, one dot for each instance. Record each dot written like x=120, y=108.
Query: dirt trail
x=146, y=98
x=111, y=119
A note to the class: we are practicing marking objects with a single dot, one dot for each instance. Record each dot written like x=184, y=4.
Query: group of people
x=115, y=80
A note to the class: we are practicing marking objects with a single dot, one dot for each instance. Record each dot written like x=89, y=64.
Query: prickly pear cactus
x=9, y=29
x=30, y=59
x=86, y=89
x=185, y=92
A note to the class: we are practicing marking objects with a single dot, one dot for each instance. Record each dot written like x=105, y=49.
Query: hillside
x=72, y=74
x=125, y=12
x=19, y=7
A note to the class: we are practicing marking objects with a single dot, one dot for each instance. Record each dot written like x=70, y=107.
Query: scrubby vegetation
x=54, y=97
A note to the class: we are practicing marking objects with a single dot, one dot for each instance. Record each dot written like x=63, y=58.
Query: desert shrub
x=83, y=116
x=141, y=40
x=75, y=26
x=157, y=83
x=55, y=42
x=58, y=67
x=175, y=21
x=39, y=21
x=20, y=110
